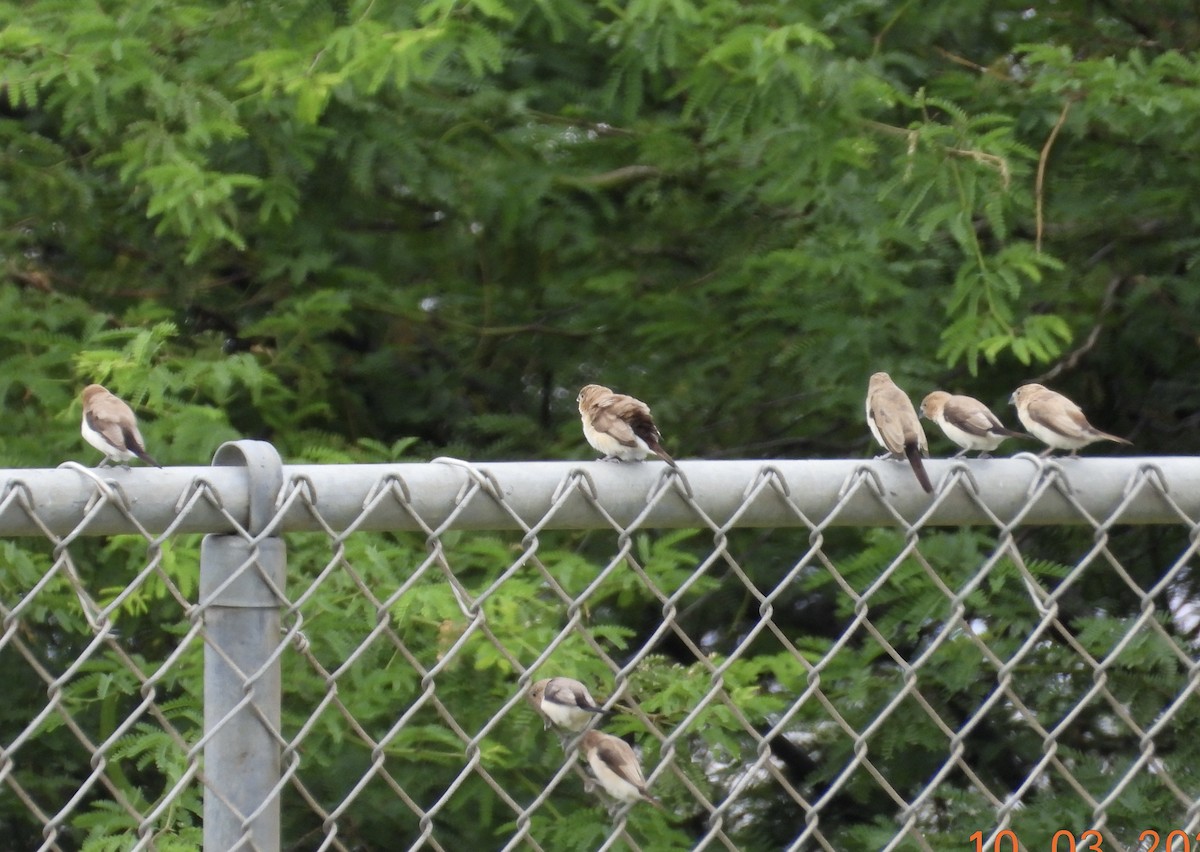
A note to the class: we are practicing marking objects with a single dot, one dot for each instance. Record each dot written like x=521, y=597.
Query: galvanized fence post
x=241, y=579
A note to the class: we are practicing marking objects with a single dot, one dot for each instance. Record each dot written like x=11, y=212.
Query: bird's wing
x=888, y=412
x=612, y=416
x=972, y=417
x=1059, y=414
x=619, y=757
x=569, y=694
x=637, y=414
x=104, y=418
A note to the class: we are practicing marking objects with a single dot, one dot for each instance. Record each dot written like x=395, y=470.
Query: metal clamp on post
x=241, y=578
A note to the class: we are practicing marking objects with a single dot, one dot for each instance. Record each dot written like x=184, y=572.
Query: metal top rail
x=570, y=494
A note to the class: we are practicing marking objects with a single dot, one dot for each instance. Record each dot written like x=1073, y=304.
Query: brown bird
x=616, y=767
x=619, y=426
x=1055, y=420
x=967, y=422
x=565, y=702
x=110, y=426
x=894, y=423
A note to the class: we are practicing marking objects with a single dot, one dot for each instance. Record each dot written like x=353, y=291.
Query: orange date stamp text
x=1089, y=841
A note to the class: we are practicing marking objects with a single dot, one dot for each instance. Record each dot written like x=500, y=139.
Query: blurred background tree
x=440, y=219
x=369, y=231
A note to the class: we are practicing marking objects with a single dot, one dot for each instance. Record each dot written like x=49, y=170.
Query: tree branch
x=615, y=177
x=1072, y=358
x=1039, y=187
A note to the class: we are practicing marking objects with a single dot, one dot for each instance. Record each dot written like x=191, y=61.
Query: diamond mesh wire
x=809, y=685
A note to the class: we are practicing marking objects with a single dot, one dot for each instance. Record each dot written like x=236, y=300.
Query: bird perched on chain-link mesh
x=967, y=422
x=619, y=426
x=564, y=702
x=1055, y=420
x=894, y=423
x=110, y=426
x=616, y=767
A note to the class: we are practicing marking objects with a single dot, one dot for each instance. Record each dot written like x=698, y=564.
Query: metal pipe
x=241, y=595
x=846, y=492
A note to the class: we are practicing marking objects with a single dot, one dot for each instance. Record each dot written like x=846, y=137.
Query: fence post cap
x=264, y=471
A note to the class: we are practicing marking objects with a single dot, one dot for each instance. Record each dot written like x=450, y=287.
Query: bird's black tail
x=914, y=458
x=1113, y=438
x=138, y=450
x=662, y=454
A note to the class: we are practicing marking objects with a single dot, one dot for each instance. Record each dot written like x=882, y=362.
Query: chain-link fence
x=804, y=654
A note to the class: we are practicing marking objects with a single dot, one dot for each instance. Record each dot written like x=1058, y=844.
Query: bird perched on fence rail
x=616, y=767
x=967, y=422
x=894, y=423
x=110, y=426
x=619, y=426
x=565, y=702
x=1055, y=420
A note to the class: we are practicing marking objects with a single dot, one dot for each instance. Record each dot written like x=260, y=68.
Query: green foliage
x=377, y=232
x=467, y=202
